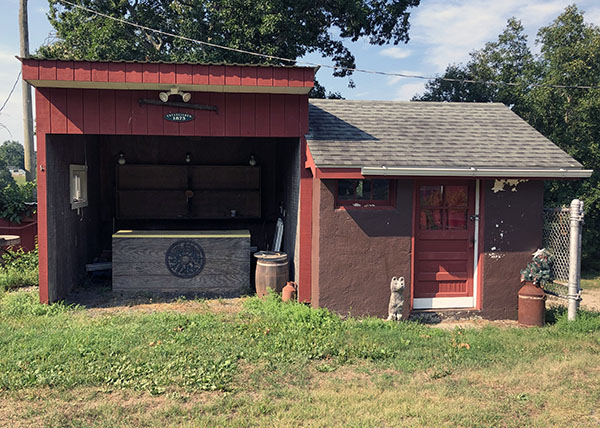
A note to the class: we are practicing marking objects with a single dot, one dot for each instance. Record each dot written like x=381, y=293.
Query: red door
x=444, y=240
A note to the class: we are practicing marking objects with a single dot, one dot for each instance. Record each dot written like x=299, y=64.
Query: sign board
x=179, y=117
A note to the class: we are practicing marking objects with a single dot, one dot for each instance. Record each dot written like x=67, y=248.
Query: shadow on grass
x=554, y=313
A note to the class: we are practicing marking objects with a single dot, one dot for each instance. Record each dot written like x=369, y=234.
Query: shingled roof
x=362, y=134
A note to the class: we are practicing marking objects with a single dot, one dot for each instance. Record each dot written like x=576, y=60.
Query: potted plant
x=532, y=299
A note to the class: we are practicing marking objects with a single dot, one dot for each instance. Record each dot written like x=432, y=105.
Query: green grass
x=590, y=281
x=275, y=364
x=19, y=269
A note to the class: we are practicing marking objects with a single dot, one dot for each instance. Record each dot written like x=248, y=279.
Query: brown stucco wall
x=359, y=251
x=512, y=232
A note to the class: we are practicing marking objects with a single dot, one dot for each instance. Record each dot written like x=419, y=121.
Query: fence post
x=576, y=218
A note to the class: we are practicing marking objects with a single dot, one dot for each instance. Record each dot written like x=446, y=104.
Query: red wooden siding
x=97, y=111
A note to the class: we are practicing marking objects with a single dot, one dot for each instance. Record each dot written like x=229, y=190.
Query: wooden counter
x=203, y=262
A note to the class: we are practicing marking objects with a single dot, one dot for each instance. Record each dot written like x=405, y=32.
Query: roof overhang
x=159, y=76
x=476, y=172
x=36, y=83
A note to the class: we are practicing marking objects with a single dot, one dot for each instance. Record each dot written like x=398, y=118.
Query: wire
x=11, y=92
x=314, y=64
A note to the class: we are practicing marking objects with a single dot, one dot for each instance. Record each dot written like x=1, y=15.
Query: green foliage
x=23, y=304
x=13, y=200
x=539, y=270
x=568, y=117
x=19, y=268
x=12, y=154
x=288, y=29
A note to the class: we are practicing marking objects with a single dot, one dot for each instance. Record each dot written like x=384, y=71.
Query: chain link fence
x=556, y=240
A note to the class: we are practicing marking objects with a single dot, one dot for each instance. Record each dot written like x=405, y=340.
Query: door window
x=443, y=207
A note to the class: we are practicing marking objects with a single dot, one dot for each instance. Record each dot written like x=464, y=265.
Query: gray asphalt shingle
x=427, y=134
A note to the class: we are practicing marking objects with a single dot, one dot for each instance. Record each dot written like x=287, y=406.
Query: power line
x=314, y=64
x=11, y=92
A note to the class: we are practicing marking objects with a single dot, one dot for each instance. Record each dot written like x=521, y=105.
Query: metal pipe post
x=576, y=219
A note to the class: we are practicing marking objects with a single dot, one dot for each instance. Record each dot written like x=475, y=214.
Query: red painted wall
x=118, y=112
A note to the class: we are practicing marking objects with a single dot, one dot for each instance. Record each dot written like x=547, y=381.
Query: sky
x=442, y=32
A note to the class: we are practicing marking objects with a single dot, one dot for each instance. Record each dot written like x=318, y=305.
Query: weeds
x=19, y=268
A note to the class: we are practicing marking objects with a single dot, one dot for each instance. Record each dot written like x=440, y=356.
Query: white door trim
x=476, y=244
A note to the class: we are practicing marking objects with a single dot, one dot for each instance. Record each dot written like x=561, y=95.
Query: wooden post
x=26, y=89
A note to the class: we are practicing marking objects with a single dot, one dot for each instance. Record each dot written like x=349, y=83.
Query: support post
x=576, y=220
x=30, y=169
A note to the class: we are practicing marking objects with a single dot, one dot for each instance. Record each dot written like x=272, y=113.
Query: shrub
x=19, y=269
x=13, y=200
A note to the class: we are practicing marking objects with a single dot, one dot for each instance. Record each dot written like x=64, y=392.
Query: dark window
x=364, y=192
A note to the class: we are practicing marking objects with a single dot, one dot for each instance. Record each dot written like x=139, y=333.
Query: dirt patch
x=590, y=300
x=102, y=300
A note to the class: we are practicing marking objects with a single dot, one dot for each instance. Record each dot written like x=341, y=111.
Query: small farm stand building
x=447, y=195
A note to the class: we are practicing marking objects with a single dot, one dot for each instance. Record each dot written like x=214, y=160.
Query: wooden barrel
x=272, y=271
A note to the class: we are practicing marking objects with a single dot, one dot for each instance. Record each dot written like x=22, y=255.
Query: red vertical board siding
x=47, y=70
x=107, y=116
x=75, y=111
x=202, y=117
x=42, y=114
x=167, y=73
x=150, y=73
x=233, y=115
x=184, y=74
x=278, y=115
x=263, y=115
x=58, y=111
x=217, y=119
x=30, y=69
x=155, y=116
x=64, y=70
x=91, y=112
x=305, y=226
x=100, y=72
x=303, y=115
x=139, y=114
x=123, y=112
x=233, y=75
x=216, y=75
x=170, y=128
x=265, y=76
x=248, y=115
x=309, y=77
x=296, y=77
x=133, y=72
x=83, y=71
x=188, y=128
x=281, y=77
x=249, y=76
x=291, y=115
x=116, y=72
x=200, y=75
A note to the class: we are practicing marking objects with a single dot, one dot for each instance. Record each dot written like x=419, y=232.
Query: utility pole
x=27, y=110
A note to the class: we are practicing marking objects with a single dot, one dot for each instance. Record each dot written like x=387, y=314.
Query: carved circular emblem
x=185, y=259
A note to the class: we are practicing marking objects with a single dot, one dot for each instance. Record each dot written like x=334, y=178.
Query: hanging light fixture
x=121, y=160
x=164, y=96
x=252, y=160
x=188, y=158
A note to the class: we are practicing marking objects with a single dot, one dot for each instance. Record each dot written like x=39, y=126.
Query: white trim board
x=443, y=303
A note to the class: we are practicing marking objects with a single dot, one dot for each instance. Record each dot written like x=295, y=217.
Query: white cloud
x=449, y=31
x=396, y=52
x=408, y=90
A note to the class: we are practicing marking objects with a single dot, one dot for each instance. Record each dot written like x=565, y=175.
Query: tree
x=569, y=117
x=282, y=28
x=12, y=154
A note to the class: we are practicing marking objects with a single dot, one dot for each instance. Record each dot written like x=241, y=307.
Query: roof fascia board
x=477, y=172
x=167, y=86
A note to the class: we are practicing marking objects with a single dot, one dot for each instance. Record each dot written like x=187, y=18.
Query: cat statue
x=396, y=299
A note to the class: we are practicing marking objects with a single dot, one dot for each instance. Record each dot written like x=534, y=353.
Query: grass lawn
x=590, y=281
x=270, y=364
